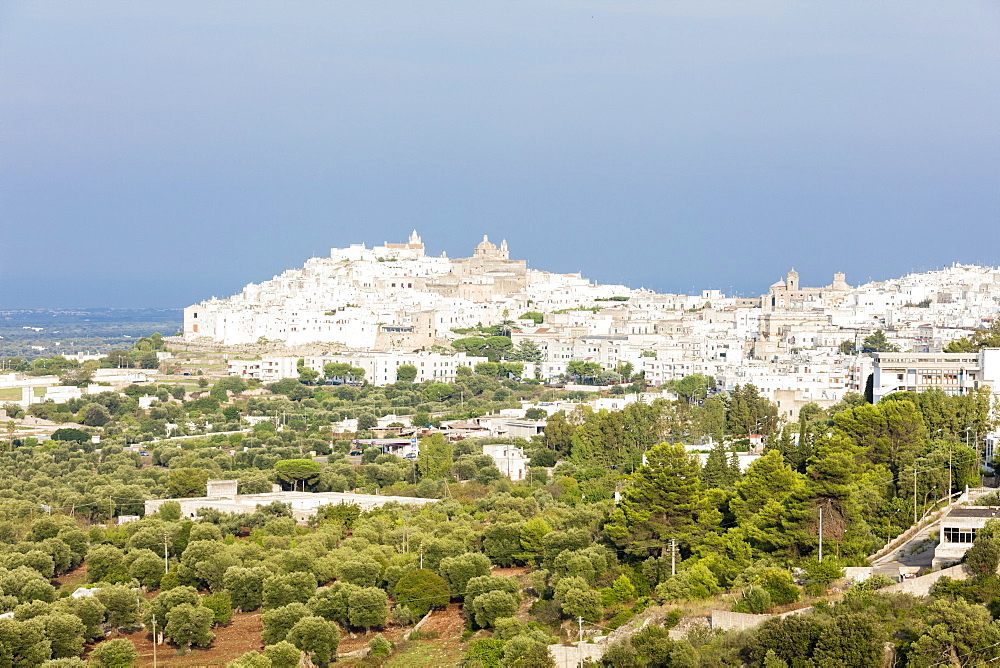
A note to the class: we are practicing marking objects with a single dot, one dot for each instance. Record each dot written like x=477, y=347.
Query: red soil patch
x=352, y=641
x=242, y=635
x=447, y=623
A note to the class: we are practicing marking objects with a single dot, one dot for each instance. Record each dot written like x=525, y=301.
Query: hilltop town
x=393, y=304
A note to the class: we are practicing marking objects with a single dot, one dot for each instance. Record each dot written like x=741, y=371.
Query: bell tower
x=792, y=281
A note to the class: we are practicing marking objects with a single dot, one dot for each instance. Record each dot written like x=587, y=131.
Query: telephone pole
x=579, y=644
x=949, y=471
x=673, y=556
x=914, y=496
x=166, y=561
x=821, y=533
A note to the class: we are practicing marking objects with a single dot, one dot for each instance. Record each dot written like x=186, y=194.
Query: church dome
x=486, y=244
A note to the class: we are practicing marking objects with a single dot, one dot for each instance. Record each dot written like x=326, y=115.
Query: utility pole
x=579, y=645
x=421, y=555
x=166, y=561
x=673, y=556
x=154, y=640
x=949, y=471
x=914, y=495
x=821, y=533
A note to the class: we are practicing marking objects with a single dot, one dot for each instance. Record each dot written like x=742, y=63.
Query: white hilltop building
x=392, y=296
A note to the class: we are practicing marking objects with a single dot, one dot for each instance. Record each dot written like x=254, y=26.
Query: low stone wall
x=922, y=586
x=419, y=624
x=729, y=621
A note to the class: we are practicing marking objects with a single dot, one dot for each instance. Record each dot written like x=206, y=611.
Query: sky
x=161, y=153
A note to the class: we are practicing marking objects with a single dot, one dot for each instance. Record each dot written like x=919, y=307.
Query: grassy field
x=442, y=652
x=10, y=394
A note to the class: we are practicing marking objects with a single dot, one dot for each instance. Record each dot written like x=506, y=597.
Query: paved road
x=919, y=550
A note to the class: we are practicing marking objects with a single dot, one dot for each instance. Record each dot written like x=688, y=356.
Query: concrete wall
x=728, y=620
x=222, y=488
x=922, y=586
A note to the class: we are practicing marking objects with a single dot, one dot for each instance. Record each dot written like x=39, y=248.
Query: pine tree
x=664, y=501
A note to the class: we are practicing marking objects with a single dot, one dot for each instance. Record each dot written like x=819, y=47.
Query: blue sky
x=156, y=154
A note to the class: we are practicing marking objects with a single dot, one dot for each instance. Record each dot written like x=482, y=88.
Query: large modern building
x=958, y=531
x=952, y=373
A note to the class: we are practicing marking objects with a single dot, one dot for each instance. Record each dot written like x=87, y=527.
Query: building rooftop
x=975, y=512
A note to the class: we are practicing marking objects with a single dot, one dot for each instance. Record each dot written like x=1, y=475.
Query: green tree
x=298, y=472
x=492, y=605
x=253, y=660
x=170, y=599
x=527, y=351
x=435, y=457
x=584, y=603
x=664, y=501
x=532, y=539
x=342, y=371
x=717, y=472
x=189, y=625
x=279, y=621
x=406, y=373
x=423, y=589
x=117, y=653
x=877, y=343
x=585, y=372
x=65, y=633
x=316, y=637
x=983, y=557
x=221, y=606
x=460, y=569
x=187, y=482
x=362, y=570
x=283, y=655
x=70, y=434
x=558, y=433
x=420, y=418
x=106, y=563
x=246, y=586
x=956, y=628
x=367, y=608
x=280, y=590
x=90, y=611
x=23, y=644
x=307, y=376
x=96, y=415
x=122, y=606
x=170, y=511
x=850, y=640
x=693, y=388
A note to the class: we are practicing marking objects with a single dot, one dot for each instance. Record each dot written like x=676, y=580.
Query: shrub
x=379, y=646
x=421, y=590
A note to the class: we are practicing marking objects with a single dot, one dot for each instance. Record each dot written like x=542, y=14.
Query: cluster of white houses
x=390, y=305
x=381, y=306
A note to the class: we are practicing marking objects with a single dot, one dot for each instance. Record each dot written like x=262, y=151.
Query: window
x=959, y=535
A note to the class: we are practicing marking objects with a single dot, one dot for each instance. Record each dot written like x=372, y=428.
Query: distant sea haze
x=32, y=333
